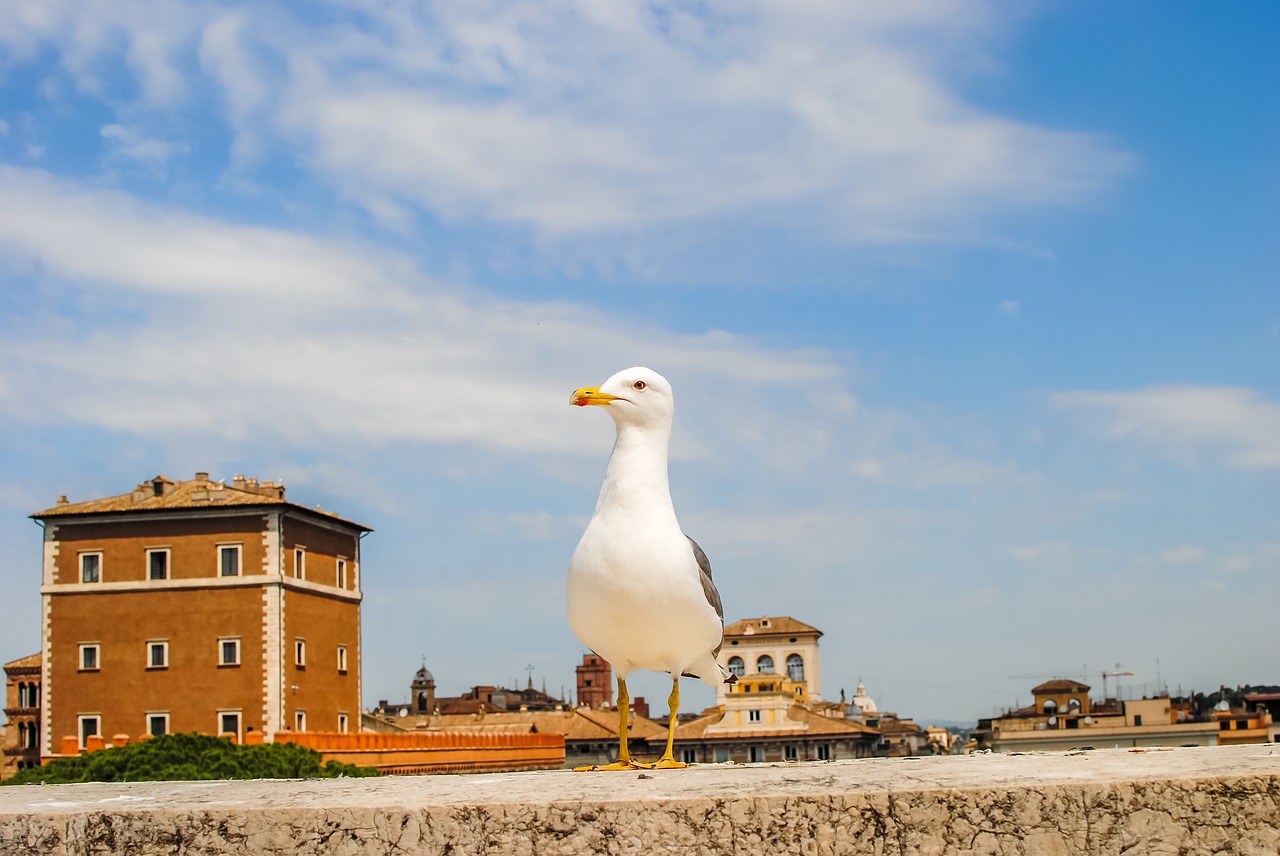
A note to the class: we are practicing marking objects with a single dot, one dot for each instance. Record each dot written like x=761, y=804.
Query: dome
x=864, y=702
x=422, y=676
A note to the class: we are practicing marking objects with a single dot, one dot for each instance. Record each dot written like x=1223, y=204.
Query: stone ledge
x=1222, y=800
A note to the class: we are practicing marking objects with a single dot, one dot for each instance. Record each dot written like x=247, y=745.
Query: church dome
x=864, y=702
x=422, y=676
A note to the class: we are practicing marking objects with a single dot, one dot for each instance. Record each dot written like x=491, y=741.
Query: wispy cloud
x=572, y=119
x=1186, y=421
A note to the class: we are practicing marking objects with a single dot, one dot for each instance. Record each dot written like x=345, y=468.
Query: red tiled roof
x=783, y=625
x=196, y=493
x=1060, y=685
x=577, y=724
x=31, y=661
x=815, y=723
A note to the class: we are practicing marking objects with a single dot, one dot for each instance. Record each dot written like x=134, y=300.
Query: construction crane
x=1077, y=675
x=1106, y=675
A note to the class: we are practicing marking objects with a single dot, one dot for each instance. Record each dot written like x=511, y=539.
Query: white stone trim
x=156, y=585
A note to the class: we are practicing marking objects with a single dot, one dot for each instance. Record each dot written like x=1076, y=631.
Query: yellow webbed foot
x=665, y=763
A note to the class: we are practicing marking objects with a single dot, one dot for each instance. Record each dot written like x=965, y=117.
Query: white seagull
x=640, y=590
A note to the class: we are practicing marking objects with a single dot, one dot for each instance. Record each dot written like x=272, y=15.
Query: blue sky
x=971, y=313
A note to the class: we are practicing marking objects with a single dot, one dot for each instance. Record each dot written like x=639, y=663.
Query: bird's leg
x=624, y=761
x=668, y=761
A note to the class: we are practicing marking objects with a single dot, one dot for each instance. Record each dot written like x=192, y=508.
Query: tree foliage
x=190, y=757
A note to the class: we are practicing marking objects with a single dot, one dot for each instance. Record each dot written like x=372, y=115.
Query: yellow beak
x=591, y=395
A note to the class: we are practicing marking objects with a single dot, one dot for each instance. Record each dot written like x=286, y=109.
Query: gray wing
x=713, y=596
x=708, y=587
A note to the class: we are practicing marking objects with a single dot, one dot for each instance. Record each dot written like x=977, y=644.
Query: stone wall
x=1220, y=800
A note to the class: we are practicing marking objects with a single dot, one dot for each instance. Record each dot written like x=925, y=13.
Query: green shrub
x=190, y=757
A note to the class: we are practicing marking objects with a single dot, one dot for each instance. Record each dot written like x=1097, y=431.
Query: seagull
x=640, y=590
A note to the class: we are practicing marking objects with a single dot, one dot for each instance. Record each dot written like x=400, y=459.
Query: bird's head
x=634, y=396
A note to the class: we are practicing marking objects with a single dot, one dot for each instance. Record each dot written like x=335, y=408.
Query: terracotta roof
x=1060, y=685
x=164, y=494
x=32, y=661
x=815, y=723
x=783, y=625
x=576, y=724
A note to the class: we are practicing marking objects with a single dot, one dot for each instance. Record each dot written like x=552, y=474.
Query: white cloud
x=1183, y=554
x=1186, y=420
x=1040, y=552
x=131, y=144
x=226, y=330
x=574, y=119
x=1010, y=307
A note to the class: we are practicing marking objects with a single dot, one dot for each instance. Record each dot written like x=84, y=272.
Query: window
x=755, y=754
x=229, y=722
x=229, y=560
x=158, y=564
x=737, y=667
x=342, y=659
x=157, y=724
x=824, y=751
x=300, y=720
x=753, y=716
x=1137, y=719
x=790, y=753
x=300, y=653
x=158, y=654
x=90, y=661
x=764, y=665
x=342, y=723
x=689, y=756
x=299, y=563
x=90, y=567
x=342, y=573
x=795, y=667
x=90, y=726
x=722, y=754
x=229, y=652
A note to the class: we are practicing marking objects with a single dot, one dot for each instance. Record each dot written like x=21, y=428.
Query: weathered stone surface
x=1220, y=800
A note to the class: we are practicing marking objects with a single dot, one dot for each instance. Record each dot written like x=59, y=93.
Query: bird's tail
x=707, y=670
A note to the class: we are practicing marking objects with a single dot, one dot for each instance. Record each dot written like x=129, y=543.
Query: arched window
x=795, y=667
x=1050, y=706
x=1073, y=706
x=764, y=665
x=422, y=702
x=737, y=667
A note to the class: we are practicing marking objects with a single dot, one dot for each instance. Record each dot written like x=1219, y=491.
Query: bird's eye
x=639, y=385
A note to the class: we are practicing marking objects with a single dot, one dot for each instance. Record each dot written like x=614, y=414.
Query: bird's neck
x=637, y=471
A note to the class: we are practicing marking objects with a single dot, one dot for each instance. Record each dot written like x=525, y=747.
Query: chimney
x=62, y=500
x=202, y=477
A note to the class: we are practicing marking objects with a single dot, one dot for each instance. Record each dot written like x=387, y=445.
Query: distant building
x=198, y=606
x=1062, y=716
x=22, y=709
x=1236, y=727
x=423, y=700
x=1269, y=702
x=764, y=718
x=595, y=682
x=779, y=646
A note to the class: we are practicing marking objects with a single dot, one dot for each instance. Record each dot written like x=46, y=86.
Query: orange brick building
x=198, y=606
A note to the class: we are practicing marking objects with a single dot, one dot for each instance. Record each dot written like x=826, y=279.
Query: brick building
x=198, y=606
x=22, y=710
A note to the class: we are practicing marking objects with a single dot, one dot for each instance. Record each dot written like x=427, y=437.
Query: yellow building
x=1063, y=717
x=775, y=647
